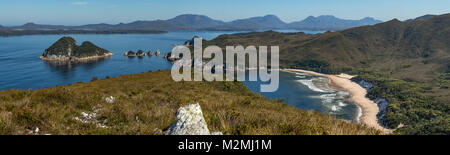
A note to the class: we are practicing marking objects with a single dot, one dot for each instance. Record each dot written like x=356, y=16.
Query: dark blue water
x=21, y=67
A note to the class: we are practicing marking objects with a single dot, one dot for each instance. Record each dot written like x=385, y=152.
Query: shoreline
x=67, y=59
x=357, y=95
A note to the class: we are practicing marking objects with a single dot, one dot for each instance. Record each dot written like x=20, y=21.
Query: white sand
x=358, y=96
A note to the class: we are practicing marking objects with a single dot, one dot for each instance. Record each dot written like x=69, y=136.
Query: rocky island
x=66, y=49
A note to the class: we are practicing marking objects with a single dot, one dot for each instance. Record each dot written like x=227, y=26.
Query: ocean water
x=309, y=92
x=21, y=67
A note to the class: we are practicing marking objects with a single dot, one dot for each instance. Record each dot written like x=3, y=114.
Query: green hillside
x=409, y=63
x=67, y=47
x=399, y=48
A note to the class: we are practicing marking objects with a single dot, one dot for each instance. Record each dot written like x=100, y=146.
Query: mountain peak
x=310, y=17
x=185, y=16
x=193, y=20
x=424, y=17
x=395, y=20
x=330, y=22
x=322, y=17
x=326, y=16
x=270, y=16
x=29, y=24
x=368, y=18
x=261, y=23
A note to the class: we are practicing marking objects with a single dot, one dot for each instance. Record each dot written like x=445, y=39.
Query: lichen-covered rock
x=190, y=121
x=110, y=99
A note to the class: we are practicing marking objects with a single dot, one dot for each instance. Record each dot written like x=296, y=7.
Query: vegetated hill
x=136, y=25
x=146, y=102
x=145, y=25
x=87, y=49
x=408, y=63
x=181, y=22
x=33, y=26
x=254, y=23
x=328, y=22
x=63, y=46
x=201, y=22
x=419, y=48
x=190, y=21
x=424, y=17
x=67, y=47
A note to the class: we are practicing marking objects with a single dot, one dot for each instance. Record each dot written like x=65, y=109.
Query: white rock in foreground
x=110, y=99
x=216, y=133
x=190, y=121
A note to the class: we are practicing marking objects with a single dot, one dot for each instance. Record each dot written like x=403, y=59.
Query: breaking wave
x=332, y=99
x=317, y=84
x=359, y=114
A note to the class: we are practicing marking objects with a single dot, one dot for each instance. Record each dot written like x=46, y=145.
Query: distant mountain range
x=201, y=22
x=331, y=23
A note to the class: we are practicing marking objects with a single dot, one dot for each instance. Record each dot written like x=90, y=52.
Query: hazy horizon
x=80, y=12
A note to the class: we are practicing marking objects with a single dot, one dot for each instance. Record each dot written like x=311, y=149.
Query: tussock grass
x=148, y=101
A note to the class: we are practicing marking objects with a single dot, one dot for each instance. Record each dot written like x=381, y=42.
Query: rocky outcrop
x=110, y=99
x=140, y=53
x=367, y=85
x=171, y=58
x=150, y=53
x=130, y=54
x=382, y=105
x=190, y=121
x=66, y=49
x=381, y=102
x=91, y=118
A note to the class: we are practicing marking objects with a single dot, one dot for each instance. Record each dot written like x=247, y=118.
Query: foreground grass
x=148, y=101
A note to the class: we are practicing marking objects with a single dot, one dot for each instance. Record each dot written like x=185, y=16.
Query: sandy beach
x=358, y=96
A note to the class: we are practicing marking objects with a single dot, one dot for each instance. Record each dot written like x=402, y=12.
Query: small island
x=66, y=49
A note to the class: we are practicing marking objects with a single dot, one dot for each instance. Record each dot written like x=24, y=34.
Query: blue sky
x=78, y=12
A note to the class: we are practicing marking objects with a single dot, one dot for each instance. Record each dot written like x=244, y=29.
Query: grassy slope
x=153, y=98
